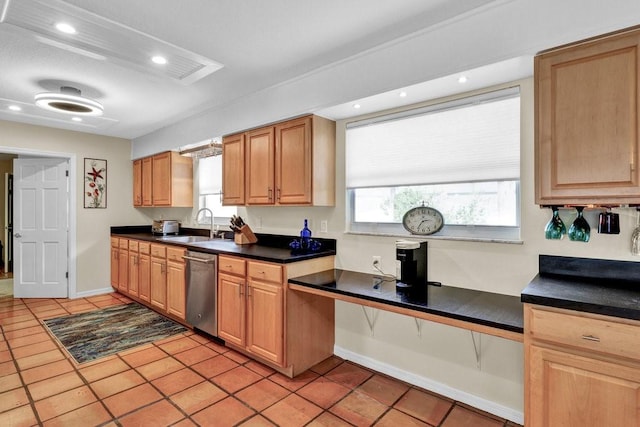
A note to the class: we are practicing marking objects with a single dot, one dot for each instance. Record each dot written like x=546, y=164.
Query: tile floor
x=189, y=380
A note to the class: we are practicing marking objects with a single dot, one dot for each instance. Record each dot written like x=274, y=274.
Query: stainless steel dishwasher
x=202, y=291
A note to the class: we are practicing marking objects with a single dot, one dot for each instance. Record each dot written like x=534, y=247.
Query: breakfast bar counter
x=478, y=311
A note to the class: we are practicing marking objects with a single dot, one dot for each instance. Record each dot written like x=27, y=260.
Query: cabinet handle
x=240, y=293
x=270, y=192
x=249, y=291
x=278, y=194
x=590, y=338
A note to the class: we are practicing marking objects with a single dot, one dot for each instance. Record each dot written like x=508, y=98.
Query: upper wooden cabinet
x=233, y=170
x=289, y=163
x=587, y=97
x=165, y=179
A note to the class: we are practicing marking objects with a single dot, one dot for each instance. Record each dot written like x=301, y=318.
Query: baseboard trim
x=434, y=386
x=92, y=293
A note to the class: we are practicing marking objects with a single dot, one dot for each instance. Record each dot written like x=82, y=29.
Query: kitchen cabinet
x=260, y=164
x=115, y=248
x=137, y=182
x=233, y=170
x=123, y=264
x=251, y=307
x=231, y=299
x=147, y=179
x=144, y=272
x=587, y=119
x=134, y=268
x=165, y=179
x=158, y=297
x=580, y=369
x=258, y=316
x=288, y=163
x=176, y=284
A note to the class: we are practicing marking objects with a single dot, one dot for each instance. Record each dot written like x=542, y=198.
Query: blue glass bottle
x=305, y=236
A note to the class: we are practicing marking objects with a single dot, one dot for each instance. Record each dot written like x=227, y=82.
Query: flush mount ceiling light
x=63, y=27
x=160, y=60
x=68, y=100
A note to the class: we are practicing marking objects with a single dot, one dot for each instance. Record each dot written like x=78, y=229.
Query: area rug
x=95, y=334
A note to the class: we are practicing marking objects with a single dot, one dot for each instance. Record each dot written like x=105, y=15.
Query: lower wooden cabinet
x=580, y=369
x=150, y=273
x=176, y=285
x=159, y=277
x=258, y=316
x=144, y=272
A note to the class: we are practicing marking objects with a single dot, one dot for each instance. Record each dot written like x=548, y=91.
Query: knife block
x=245, y=237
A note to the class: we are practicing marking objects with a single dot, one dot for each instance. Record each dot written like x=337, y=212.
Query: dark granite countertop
x=485, y=308
x=271, y=248
x=607, y=287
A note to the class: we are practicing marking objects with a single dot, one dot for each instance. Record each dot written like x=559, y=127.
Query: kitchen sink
x=185, y=239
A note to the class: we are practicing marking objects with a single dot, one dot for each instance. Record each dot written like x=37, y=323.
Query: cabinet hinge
x=66, y=275
x=66, y=173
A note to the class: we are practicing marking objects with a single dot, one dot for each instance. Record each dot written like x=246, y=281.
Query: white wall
x=92, y=234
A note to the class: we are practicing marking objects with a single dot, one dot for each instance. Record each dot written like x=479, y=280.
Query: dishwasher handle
x=202, y=260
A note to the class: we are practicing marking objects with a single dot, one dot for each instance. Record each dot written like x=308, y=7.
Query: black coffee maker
x=411, y=268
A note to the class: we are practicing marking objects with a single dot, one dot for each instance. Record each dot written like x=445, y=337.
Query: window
x=461, y=157
x=210, y=191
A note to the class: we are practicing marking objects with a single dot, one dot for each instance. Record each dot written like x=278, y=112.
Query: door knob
x=17, y=235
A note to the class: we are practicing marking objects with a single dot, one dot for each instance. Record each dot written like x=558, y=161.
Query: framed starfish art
x=95, y=183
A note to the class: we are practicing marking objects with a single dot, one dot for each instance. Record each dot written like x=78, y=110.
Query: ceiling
x=219, y=51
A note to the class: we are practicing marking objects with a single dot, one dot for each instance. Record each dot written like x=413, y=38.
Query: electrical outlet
x=323, y=226
x=375, y=263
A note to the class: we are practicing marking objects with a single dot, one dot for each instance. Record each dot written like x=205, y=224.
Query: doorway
x=70, y=212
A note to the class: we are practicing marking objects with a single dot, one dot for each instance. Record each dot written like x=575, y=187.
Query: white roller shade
x=472, y=139
x=210, y=175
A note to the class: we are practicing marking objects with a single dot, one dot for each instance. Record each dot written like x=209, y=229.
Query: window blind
x=467, y=140
x=210, y=175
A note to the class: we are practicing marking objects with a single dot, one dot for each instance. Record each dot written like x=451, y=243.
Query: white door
x=40, y=229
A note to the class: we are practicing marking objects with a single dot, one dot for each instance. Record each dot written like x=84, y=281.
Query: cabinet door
x=176, y=292
x=123, y=270
x=293, y=162
x=134, y=273
x=570, y=390
x=587, y=125
x=147, y=179
x=159, y=283
x=144, y=278
x=161, y=182
x=231, y=309
x=265, y=320
x=259, y=163
x=233, y=170
x=137, y=182
x=115, y=276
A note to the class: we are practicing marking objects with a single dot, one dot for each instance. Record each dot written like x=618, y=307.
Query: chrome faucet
x=211, y=232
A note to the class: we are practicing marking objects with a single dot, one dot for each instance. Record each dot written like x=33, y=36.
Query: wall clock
x=423, y=220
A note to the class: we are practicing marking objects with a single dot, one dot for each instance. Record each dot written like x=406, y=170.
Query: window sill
x=437, y=237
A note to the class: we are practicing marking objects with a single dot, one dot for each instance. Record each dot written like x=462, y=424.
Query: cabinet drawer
x=133, y=245
x=124, y=243
x=175, y=254
x=115, y=242
x=144, y=248
x=158, y=251
x=595, y=334
x=231, y=265
x=263, y=271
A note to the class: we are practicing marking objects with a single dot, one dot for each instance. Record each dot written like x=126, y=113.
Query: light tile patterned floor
x=189, y=380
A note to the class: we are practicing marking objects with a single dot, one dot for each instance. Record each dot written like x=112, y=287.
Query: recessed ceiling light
x=76, y=119
x=356, y=106
x=68, y=100
x=462, y=79
x=160, y=60
x=14, y=108
x=63, y=27
x=403, y=94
